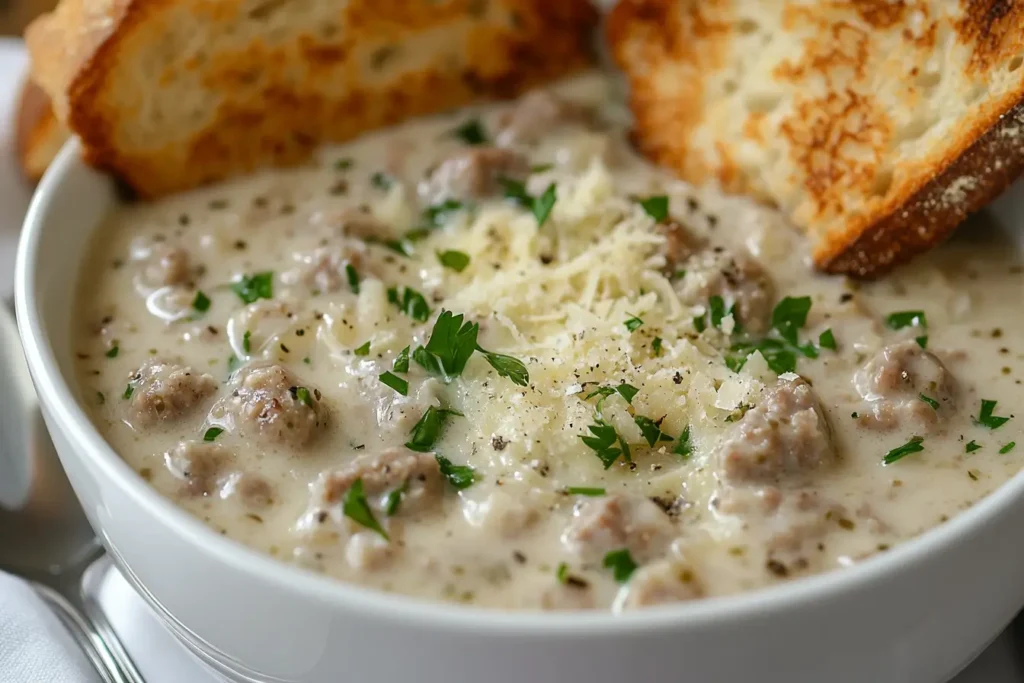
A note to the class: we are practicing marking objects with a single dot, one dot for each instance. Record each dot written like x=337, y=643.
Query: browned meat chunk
x=200, y=466
x=537, y=114
x=662, y=582
x=475, y=173
x=164, y=390
x=255, y=491
x=609, y=523
x=166, y=266
x=893, y=383
x=271, y=403
x=323, y=269
x=785, y=435
x=738, y=279
x=392, y=470
x=680, y=245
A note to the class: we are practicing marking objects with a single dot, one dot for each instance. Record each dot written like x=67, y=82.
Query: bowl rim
x=57, y=394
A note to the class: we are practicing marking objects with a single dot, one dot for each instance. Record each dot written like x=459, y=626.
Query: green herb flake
x=247, y=341
x=656, y=207
x=543, y=204
x=900, y=452
x=251, y=288
x=303, y=395
x=212, y=433
x=201, y=302
x=633, y=324
x=540, y=206
x=716, y=306
x=972, y=446
x=627, y=391
x=541, y=168
x=603, y=443
x=113, y=350
x=590, y=491
x=395, y=499
x=363, y=350
x=987, y=419
x=381, y=181
x=233, y=363
x=402, y=361
x=562, y=573
x=356, y=508
x=427, y=361
x=930, y=401
x=621, y=563
x=789, y=315
x=459, y=476
x=699, y=324
x=1007, y=448
x=651, y=430
x=395, y=382
x=353, y=277
x=656, y=346
x=452, y=341
x=453, y=260
x=128, y=391
x=344, y=164
x=683, y=446
x=426, y=432
x=780, y=357
x=922, y=341
x=507, y=366
x=411, y=302
x=901, y=319
x=471, y=132
x=827, y=340
x=434, y=216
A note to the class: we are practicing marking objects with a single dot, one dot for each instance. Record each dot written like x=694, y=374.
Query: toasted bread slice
x=38, y=134
x=876, y=126
x=170, y=94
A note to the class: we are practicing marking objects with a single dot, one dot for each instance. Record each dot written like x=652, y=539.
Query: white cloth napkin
x=34, y=646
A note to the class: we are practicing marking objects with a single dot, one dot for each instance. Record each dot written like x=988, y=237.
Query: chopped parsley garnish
x=128, y=391
x=381, y=180
x=656, y=207
x=633, y=324
x=651, y=430
x=790, y=315
x=922, y=341
x=778, y=355
x=234, y=363
x=395, y=382
x=402, y=361
x=603, y=443
x=434, y=216
x=827, y=340
x=540, y=206
x=212, y=433
x=356, y=508
x=410, y=302
x=627, y=391
x=541, y=168
x=621, y=563
x=201, y=302
x=247, y=341
x=683, y=447
x=656, y=347
x=901, y=319
x=395, y=499
x=453, y=260
x=353, y=277
x=400, y=247
x=363, y=350
x=900, y=452
x=427, y=361
x=716, y=307
x=459, y=476
x=471, y=132
x=452, y=342
x=507, y=366
x=304, y=396
x=344, y=164
x=930, y=401
x=426, y=432
x=251, y=288
x=1007, y=448
x=591, y=491
x=987, y=419
x=972, y=446
x=562, y=573
x=113, y=350
x=699, y=324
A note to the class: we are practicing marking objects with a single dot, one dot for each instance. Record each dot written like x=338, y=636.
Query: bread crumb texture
x=174, y=94
x=875, y=125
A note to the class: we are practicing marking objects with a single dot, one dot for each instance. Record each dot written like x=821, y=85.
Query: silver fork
x=46, y=539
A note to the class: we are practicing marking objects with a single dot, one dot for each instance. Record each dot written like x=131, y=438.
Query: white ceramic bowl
x=915, y=614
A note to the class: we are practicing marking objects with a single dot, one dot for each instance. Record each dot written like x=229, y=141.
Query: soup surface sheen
x=645, y=395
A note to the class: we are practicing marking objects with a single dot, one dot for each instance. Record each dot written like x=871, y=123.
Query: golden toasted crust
x=877, y=126
x=38, y=134
x=169, y=94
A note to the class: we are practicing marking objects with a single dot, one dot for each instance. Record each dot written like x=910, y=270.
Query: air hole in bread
x=1015, y=63
x=730, y=86
x=914, y=128
x=929, y=79
x=883, y=181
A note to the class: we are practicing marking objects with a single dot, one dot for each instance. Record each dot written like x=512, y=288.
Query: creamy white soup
x=496, y=358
